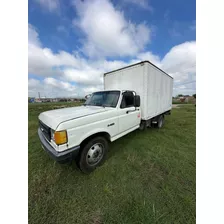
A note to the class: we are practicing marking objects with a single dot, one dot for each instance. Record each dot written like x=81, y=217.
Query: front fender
x=93, y=132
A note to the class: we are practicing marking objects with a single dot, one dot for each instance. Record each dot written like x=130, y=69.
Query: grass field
x=149, y=177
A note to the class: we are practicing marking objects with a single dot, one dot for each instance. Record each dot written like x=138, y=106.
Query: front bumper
x=57, y=156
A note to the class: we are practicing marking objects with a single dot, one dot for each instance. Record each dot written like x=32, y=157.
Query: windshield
x=104, y=99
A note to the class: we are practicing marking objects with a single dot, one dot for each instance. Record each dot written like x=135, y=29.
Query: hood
x=53, y=118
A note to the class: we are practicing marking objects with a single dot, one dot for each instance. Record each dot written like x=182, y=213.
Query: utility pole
x=39, y=94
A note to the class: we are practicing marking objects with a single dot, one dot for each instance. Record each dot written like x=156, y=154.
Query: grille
x=45, y=130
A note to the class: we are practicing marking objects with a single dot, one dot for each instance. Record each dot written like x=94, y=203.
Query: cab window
x=127, y=100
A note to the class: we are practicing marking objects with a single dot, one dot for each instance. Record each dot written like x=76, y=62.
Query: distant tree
x=194, y=95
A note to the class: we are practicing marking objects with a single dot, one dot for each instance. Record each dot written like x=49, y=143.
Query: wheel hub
x=94, y=154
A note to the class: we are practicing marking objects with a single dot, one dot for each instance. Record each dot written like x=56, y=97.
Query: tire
x=160, y=121
x=93, y=154
x=142, y=126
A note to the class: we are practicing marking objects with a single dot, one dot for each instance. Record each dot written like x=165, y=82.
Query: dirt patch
x=96, y=218
x=175, y=106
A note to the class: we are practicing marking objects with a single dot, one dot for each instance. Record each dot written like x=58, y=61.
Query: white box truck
x=134, y=97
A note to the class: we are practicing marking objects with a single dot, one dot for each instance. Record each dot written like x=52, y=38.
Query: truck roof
x=142, y=62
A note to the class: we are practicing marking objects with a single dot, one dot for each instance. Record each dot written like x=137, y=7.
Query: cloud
x=89, y=90
x=49, y=5
x=193, y=26
x=174, y=32
x=59, y=84
x=180, y=29
x=180, y=62
x=107, y=31
x=51, y=87
x=66, y=74
x=33, y=36
x=166, y=16
x=87, y=76
x=63, y=29
x=141, y=3
x=42, y=61
x=91, y=72
x=150, y=57
x=33, y=83
x=180, y=59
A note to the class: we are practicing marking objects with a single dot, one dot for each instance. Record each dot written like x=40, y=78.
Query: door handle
x=129, y=111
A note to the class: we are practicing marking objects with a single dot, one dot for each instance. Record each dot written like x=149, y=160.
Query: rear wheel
x=160, y=121
x=93, y=154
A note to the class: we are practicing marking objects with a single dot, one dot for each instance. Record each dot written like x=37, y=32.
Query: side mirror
x=137, y=101
x=88, y=96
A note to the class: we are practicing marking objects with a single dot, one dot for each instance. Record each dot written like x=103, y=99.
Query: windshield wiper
x=106, y=105
x=97, y=105
x=101, y=105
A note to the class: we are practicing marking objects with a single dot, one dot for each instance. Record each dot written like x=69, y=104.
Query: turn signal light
x=60, y=137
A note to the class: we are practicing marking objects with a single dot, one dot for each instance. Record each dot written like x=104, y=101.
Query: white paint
x=53, y=118
x=154, y=87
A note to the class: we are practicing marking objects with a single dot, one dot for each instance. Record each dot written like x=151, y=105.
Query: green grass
x=149, y=177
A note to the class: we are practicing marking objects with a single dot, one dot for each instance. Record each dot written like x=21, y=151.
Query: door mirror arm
x=129, y=111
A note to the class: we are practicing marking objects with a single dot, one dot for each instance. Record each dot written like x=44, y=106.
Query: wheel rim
x=94, y=155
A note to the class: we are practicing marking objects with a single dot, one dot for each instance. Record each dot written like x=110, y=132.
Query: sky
x=72, y=43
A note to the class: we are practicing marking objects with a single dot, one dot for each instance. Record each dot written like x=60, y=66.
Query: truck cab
x=83, y=132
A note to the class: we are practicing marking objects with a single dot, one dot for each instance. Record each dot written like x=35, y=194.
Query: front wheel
x=93, y=154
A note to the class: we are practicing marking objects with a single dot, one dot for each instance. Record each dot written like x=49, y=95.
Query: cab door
x=129, y=116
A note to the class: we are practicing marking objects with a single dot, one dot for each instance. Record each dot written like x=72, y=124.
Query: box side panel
x=159, y=92
x=144, y=96
x=151, y=105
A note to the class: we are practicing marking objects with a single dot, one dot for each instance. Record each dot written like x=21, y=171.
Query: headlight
x=60, y=137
